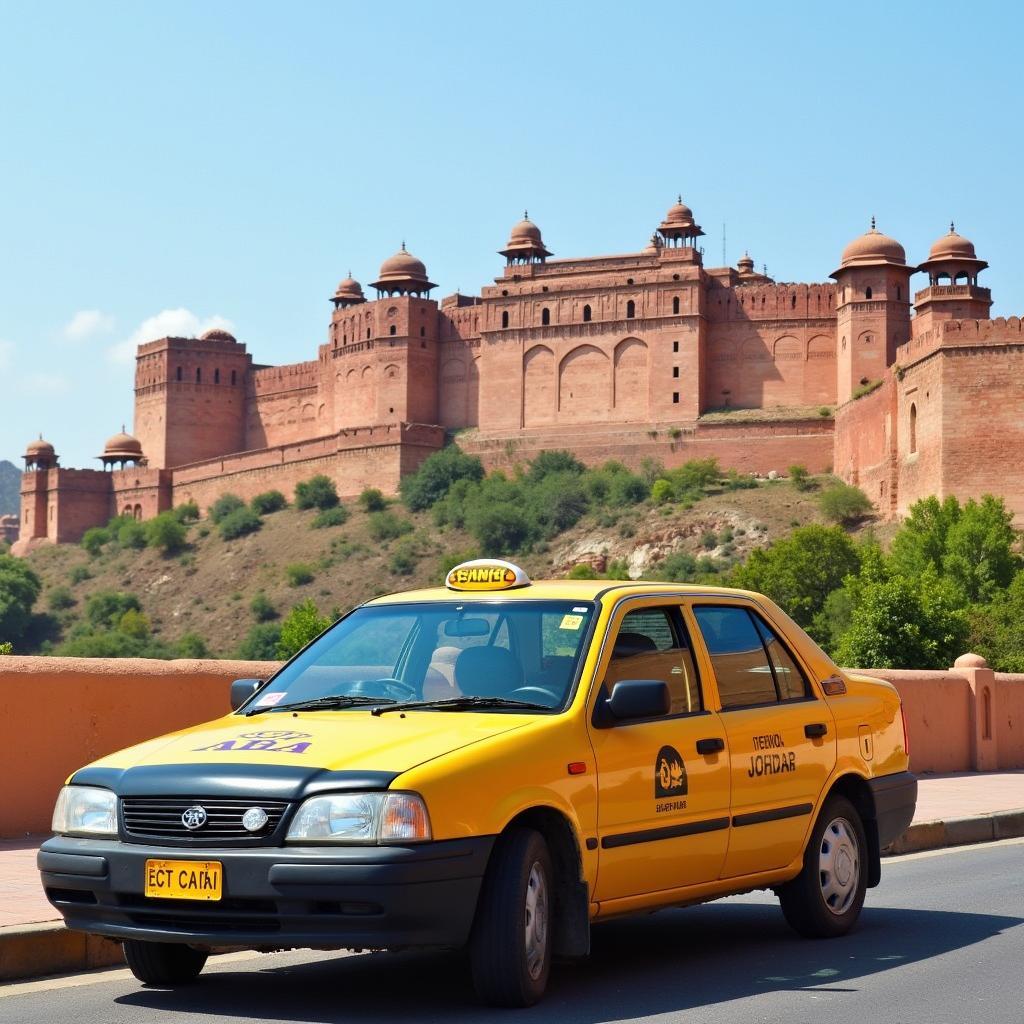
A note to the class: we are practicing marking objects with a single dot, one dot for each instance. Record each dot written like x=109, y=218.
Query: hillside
x=10, y=485
x=207, y=590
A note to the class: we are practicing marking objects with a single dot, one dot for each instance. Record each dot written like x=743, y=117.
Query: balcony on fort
x=951, y=291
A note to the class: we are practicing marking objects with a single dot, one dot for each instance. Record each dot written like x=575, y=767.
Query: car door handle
x=710, y=746
x=815, y=730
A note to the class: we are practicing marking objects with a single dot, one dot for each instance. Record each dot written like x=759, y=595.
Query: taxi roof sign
x=486, y=574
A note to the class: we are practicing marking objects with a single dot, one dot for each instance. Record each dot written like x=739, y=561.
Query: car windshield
x=522, y=650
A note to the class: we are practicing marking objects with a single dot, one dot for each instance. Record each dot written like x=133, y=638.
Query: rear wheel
x=510, y=948
x=163, y=963
x=825, y=899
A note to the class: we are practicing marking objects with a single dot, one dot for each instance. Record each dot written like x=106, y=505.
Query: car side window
x=789, y=678
x=652, y=643
x=737, y=654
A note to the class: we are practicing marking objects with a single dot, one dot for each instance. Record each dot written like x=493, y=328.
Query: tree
x=844, y=503
x=301, y=625
x=134, y=624
x=997, y=628
x=188, y=512
x=260, y=643
x=499, y=529
x=105, y=608
x=556, y=502
x=94, y=538
x=192, y=645
x=166, y=533
x=19, y=589
x=800, y=571
x=921, y=539
x=317, y=492
x=979, y=559
x=224, y=506
x=553, y=461
x=430, y=483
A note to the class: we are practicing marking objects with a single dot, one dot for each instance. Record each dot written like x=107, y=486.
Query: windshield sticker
x=582, y=608
x=571, y=622
x=269, y=698
x=272, y=741
x=669, y=780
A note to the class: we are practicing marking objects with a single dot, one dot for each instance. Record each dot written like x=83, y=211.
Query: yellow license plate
x=184, y=879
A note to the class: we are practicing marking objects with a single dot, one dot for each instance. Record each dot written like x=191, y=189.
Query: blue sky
x=164, y=167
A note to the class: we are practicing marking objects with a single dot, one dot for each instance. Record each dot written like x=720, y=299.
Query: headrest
x=628, y=644
x=487, y=672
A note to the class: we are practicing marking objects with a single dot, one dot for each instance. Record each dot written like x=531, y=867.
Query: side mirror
x=639, y=698
x=242, y=690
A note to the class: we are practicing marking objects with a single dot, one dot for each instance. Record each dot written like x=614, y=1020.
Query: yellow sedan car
x=497, y=763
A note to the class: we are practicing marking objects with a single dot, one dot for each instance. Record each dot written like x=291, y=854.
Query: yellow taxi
x=496, y=764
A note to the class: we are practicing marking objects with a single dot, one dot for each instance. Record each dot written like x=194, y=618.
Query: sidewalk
x=951, y=809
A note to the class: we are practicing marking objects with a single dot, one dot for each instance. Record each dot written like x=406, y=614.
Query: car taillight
x=906, y=735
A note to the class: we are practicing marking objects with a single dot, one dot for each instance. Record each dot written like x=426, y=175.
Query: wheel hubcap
x=536, y=920
x=839, y=865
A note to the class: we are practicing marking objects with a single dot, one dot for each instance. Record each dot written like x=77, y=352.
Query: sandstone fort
x=890, y=373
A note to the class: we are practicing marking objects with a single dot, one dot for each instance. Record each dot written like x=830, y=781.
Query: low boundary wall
x=61, y=713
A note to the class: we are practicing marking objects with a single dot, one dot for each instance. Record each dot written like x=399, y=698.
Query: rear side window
x=751, y=664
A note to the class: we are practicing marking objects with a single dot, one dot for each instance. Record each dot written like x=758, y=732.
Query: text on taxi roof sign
x=486, y=574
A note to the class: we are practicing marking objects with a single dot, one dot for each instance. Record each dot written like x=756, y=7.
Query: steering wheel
x=385, y=687
x=531, y=693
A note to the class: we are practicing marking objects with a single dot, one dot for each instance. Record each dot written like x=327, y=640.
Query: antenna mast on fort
x=725, y=261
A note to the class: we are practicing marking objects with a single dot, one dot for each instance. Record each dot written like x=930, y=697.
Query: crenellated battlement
x=292, y=376
x=1000, y=330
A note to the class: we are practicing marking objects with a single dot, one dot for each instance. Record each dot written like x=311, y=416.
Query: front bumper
x=895, y=798
x=382, y=897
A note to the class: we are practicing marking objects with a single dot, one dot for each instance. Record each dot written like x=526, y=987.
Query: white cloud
x=87, y=323
x=44, y=384
x=168, y=323
x=6, y=351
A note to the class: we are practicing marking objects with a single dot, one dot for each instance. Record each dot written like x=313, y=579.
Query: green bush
x=799, y=477
x=618, y=569
x=192, y=645
x=94, y=538
x=132, y=536
x=317, y=492
x=372, y=500
x=737, y=481
x=709, y=540
x=403, y=560
x=500, y=530
x=79, y=574
x=135, y=624
x=336, y=516
x=106, y=608
x=260, y=643
x=386, y=526
x=301, y=625
x=662, y=491
x=6, y=647
x=111, y=644
x=238, y=523
x=187, y=512
x=267, y=502
x=628, y=489
x=583, y=571
x=298, y=574
x=844, y=503
x=166, y=533
x=678, y=567
x=262, y=608
x=19, y=590
x=224, y=506
x=448, y=561
x=555, y=461
x=866, y=389
x=60, y=598
x=431, y=482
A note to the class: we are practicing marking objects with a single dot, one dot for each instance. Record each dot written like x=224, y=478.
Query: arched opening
x=138, y=511
x=234, y=377
x=392, y=330
x=942, y=279
x=675, y=305
x=178, y=375
x=423, y=332
x=867, y=292
x=586, y=314
x=367, y=333
x=630, y=309
x=199, y=375
x=504, y=318
x=899, y=293
x=792, y=301
x=545, y=316
x=216, y=376
x=913, y=428
x=961, y=278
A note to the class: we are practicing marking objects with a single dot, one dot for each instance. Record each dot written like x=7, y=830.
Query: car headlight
x=361, y=818
x=86, y=811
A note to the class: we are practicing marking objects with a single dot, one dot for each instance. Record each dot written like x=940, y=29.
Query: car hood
x=289, y=756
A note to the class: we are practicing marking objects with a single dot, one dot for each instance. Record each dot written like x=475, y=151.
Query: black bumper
x=324, y=898
x=895, y=799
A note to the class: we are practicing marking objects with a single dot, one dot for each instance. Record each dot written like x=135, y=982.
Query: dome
x=38, y=448
x=403, y=265
x=952, y=247
x=122, y=445
x=873, y=247
x=745, y=263
x=525, y=231
x=679, y=213
x=524, y=243
x=216, y=334
x=349, y=289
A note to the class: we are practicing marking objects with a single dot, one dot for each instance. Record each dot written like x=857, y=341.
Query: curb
x=936, y=835
x=37, y=950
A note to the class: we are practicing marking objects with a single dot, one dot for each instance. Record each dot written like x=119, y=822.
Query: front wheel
x=163, y=963
x=510, y=948
x=825, y=899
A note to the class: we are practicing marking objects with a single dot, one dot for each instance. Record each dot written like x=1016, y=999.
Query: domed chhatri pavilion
x=888, y=371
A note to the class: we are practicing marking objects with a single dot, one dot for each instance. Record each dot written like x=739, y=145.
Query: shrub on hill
x=385, y=526
x=60, y=598
x=105, y=608
x=132, y=536
x=262, y=608
x=187, y=512
x=799, y=477
x=94, y=538
x=317, y=492
x=191, y=645
x=372, y=500
x=431, y=482
x=19, y=589
x=260, y=643
x=301, y=625
x=79, y=574
x=844, y=503
x=403, y=560
x=267, y=502
x=299, y=574
x=165, y=533
x=238, y=523
x=336, y=516
x=224, y=506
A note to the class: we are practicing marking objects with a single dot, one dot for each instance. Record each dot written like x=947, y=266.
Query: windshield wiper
x=463, y=704
x=337, y=700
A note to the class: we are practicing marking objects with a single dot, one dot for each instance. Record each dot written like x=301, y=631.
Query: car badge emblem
x=194, y=817
x=254, y=819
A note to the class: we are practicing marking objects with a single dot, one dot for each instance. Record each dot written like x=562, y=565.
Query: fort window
x=913, y=428
x=675, y=277
x=545, y=316
x=675, y=397
x=629, y=280
x=675, y=305
x=504, y=319
x=216, y=376
x=423, y=332
x=544, y=288
x=234, y=377
x=504, y=291
x=792, y=302
x=392, y=330
x=630, y=309
x=675, y=346
x=899, y=292
x=675, y=371
x=960, y=278
x=762, y=302
x=199, y=375
x=367, y=333
x=586, y=314
x=867, y=292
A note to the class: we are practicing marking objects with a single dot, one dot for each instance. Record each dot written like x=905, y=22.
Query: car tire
x=825, y=899
x=510, y=946
x=163, y=963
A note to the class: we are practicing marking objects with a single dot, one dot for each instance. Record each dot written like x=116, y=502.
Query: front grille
x=161, y=818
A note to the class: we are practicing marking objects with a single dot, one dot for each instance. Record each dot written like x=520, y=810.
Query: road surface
x=939, y=941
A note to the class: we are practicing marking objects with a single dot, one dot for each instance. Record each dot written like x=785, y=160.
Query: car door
x=663, y=810
x=781, y=736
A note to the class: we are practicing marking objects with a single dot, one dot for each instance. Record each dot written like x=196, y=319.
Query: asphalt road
x=939, y=942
